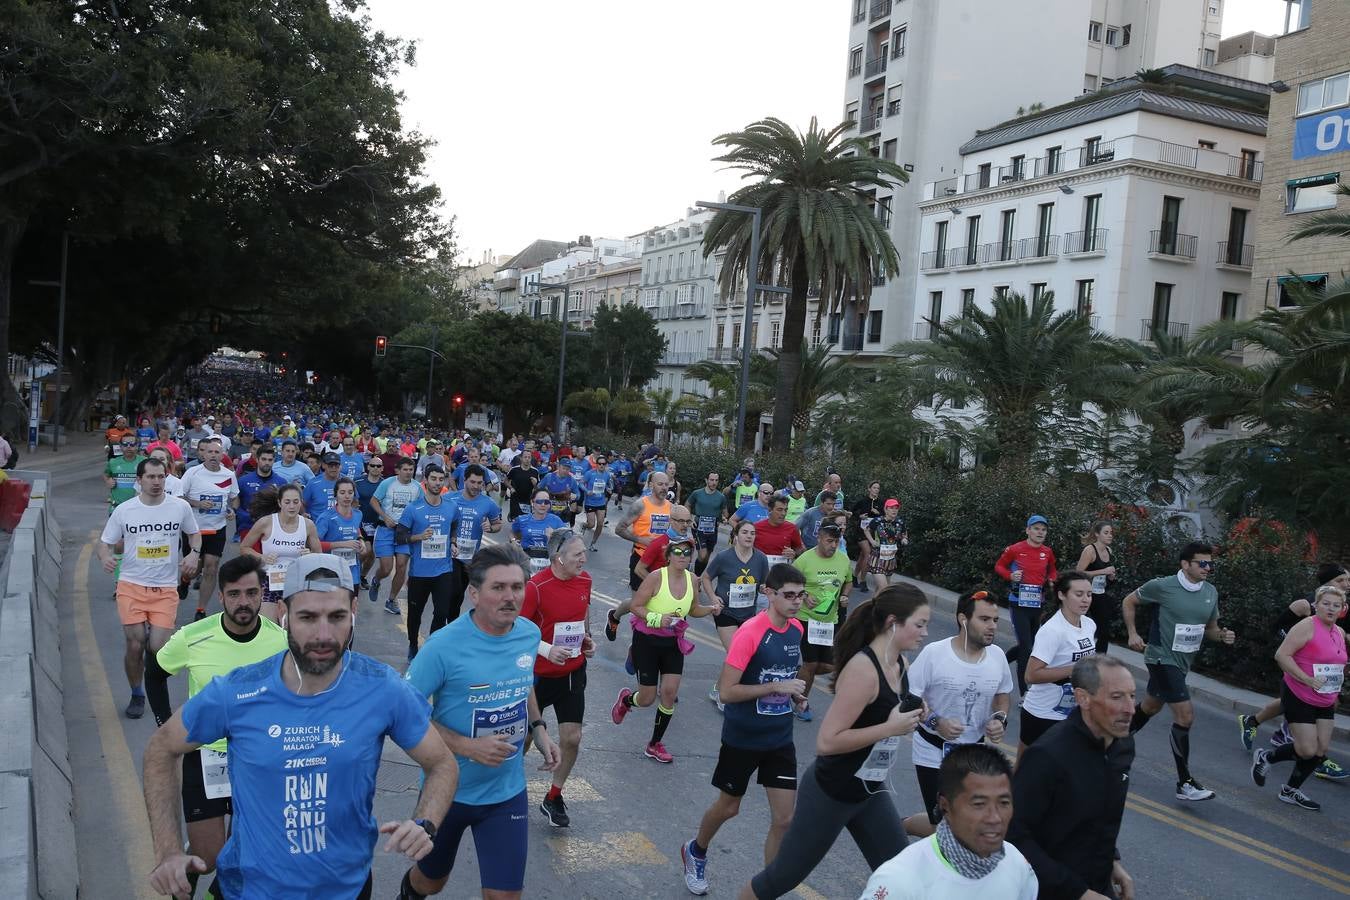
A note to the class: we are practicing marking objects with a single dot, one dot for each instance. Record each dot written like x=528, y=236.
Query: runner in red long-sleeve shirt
x=1028, y=566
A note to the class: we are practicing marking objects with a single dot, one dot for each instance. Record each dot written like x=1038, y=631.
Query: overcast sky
x=595, y=117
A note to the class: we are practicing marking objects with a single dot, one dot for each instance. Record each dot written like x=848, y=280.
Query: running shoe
x=1190, y=789
x=199, y=615
x=1260, y=767
x=136, y=708
x=1281, y=736
x=805, y=714
x=695, y=869
x=658, y=752
x=592, y=550
x=1295, y=797
x=364, y=585
x=628, y=663
x=620, y=707
x=374, y=590
x=555, y=811
x=1247, y=728
x=391, y=607
x=1330, y=770
x=611, y=626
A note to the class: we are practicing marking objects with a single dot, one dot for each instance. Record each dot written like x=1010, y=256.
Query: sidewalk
x=1203, y=688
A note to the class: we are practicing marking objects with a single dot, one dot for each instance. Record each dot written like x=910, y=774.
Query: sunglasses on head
x=831, y=529
x=980, y=595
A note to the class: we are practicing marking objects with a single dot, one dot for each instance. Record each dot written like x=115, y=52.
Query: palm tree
x=1026, y=365
x=820, y=375
x=666, y=408
x=817, y=191
x=723, y=380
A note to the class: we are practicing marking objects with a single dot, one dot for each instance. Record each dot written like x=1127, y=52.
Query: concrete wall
x=37, y=847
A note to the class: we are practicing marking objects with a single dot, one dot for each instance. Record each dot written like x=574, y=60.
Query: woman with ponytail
x=846, y=786
x=1066, y=635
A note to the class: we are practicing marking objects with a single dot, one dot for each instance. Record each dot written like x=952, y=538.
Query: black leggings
x=439, y=588
x=1103, y=613
x=1026, y=621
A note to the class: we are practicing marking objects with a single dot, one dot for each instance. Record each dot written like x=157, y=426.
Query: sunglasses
x=128, y=443
x=540, y=502
x=681, y=551
x=375, y=466
x=1204, y=563
x=831, y=529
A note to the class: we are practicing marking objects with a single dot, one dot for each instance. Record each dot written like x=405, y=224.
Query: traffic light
x=459, y=399
x=381, y=345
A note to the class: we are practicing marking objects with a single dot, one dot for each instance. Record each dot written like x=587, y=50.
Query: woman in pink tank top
x=1313, y=657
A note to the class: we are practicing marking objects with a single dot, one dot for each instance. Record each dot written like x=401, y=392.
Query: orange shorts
x=137, y=604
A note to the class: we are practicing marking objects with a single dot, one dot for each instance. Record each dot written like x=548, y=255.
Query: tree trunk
x=790, y=358
x=13, y=415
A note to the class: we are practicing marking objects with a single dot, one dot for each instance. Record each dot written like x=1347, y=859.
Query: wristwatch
x=428, y=826
x=538, y=723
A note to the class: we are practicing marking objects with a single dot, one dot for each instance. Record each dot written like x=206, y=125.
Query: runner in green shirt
x=215, y=645
x=1187, y=612
x=828, y=582
x=796, y=500
x=120, y=473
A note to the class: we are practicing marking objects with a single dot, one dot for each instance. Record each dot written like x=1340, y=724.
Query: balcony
x=893, y=108
x=924, y=331
x=875, y=66
x=1246, y=168
x=683, y=357
x=851, y=122
x=1171, y=245
x=1096, y=154
x=1043, y=246
x=1235, y=256
x=998, y=252
x=934, y=259
x=724, y=354
x=880, y=10
x=1083, y=242
x=871, y=122
x=852, y=343
x=1171, y=329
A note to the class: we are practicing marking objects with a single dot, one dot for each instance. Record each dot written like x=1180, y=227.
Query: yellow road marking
x=574, y=856
x=126, y=790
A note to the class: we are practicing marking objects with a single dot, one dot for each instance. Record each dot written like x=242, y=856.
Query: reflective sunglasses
x=1204, y=563
x=681, y=551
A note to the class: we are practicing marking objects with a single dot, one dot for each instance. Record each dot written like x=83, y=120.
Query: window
x=1039, y=289
x=1082, y=298
x=1092, y=210
x=898, y=39
x=1001, y=292
x=815, y=332
x=754, y=334
x=1162, y=306
x=935, y=307
x=1167, y=228
x=721, y=333
x=679, y=269
x=1206, y=145
x=1326, y=93
x=1209, y=58
x=1314, y=192
x=874, y=327
x=1248, y=163
x=1095, y=32
x=1237, y=235
x=1112, y=36
x=836, y=322
x=1089, y=83
x=1045, y=218
x=940, y=243
x=1125, y=36
x=1052, y=163
x=888, y=149
x=967, y=302
x=736, y=334
x=1018, y=168
x=986, y=171
x=855, y=57
x=1292, y=288
x=775, y=331
x=1005, y=235
x=1093, y=153
x=972, y=240
x=1228, y=306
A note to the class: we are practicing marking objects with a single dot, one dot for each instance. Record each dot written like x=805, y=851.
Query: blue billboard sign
x=1321, y=134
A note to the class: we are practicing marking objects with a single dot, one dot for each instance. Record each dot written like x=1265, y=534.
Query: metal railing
x=1015, y=172
x=998, y=251
x=1093, y=241
x=1041, y=246
x=874, y=66
x=683, y=357
x=1171, y=243
x=1171, y=329
x=880, y=9
x=872, y=121
x=1249, y=169
x=1095, y=154
x=1178, y=155
x=724, y=354
x=850, y=123
x=976, y=181
x=933, y=259
x=924, y=331
x=1236, y=254
x=944, y=188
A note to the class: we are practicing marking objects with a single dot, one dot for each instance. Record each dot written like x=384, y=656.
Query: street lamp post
x=431, y=362
x=60, y=338
x=562, y=360
x=752, y=289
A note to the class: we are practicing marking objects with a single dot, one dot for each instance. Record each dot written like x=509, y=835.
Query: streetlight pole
x=562, y=361
x=431, y=366
x=752, y=289
x=60, y=340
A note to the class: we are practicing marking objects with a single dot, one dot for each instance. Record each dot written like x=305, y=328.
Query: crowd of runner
x=271, y=763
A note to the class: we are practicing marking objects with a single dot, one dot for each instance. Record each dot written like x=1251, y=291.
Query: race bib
x=1334, y=673
x=465, y=548
x=1066, y=703
x=215, y=774
x=878, y=763
x=215, y=504
x=569, y=635
x=276, y=577
x=537, y=564
x=1099, y=584
x=888, y=551
x=773, y=705
x=821, y=634
x=597, y=489
x=659, y=523
x=866, y=522
x=1029, y=595
x=1187, y=638
x=434, y=547
x=558, y=506
x=707, y=524
x=507, y=721
x=775, y=560
x=153, y=547
x=368, y=529
x=346, y=554
x=126, y=481
x=741, y=596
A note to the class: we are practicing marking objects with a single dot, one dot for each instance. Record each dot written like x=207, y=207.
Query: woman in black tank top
x=847, y=785
x=1098, y=561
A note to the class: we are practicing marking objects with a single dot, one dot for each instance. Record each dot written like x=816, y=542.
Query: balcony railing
x=1093, y=241
x=872, y=121
x=934, y=259
x=850, y=123
x=875, y=66
x=924, y=331
x=1171, y=329
x=1095, y=154
x=1170, y=243
x=880, y=10
x=1041, y=246
x=893, y=108
x=1239, y=255
x=998, y=251
x=683, y=357
x=724, y=354
x=1242, y=167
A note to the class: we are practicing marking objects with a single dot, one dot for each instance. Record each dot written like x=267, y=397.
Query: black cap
x=331, y=458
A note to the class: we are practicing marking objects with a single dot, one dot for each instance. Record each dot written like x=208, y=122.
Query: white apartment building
x=1135, y=206
x=517, y=283
x=679, y=286
x=922, y=75
x=609, y=280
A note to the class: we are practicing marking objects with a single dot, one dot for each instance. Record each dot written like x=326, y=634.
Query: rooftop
x=537, y=253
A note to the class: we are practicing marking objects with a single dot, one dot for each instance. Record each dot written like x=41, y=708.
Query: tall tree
x=817, y=190
x=625, y=346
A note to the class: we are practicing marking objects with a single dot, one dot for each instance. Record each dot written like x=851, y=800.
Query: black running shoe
x=136, y=708
x=555, y=811
x=199, y=615
x=611, y=626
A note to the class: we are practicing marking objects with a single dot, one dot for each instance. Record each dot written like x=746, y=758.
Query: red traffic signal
x=459, y=399
x=381, y=345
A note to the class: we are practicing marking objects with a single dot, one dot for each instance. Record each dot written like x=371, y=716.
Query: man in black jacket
x=1070, y=788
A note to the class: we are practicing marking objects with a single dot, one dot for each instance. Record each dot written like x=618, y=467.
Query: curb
x=1209, y=690
x=36, y=789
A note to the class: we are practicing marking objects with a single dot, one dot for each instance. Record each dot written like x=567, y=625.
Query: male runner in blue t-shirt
x=596, y=485
x=478, y=513
x=306, y=729
x=479, y=673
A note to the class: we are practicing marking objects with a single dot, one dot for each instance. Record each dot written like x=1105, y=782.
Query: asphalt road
x=630, y=814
